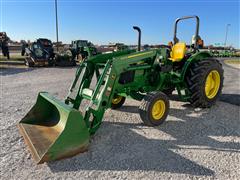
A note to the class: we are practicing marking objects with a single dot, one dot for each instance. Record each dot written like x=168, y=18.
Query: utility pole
x=56, y=13
x=225, y=42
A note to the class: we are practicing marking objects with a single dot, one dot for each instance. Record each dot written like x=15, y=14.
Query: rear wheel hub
x=212, y=84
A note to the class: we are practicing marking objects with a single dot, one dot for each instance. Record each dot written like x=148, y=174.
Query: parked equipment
x=39, y=53
x=226, y=53
x=82, y=49
x=54, y=129
x=65, y=58
x=118, y=47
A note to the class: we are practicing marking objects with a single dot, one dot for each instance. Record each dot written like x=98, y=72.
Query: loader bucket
x=53, y=130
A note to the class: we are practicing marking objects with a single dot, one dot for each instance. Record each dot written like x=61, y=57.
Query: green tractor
x=118, y=47
x=54, y=129
x=82, y=49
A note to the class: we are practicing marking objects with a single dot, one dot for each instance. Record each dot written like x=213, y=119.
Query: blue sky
x=104, y=21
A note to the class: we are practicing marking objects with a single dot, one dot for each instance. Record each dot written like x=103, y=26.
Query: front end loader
x=54, y=129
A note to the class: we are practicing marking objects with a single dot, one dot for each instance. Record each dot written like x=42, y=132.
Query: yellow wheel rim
x=212, y=84
x=117, y=99
x=158, y=109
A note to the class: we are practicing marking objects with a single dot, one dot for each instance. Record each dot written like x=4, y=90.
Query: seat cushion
x=178, y=52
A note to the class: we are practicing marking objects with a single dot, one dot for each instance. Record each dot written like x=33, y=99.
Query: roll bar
x=175, y=39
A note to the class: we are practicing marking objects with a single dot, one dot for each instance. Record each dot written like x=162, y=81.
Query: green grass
x=232, y=61
x=12, y=58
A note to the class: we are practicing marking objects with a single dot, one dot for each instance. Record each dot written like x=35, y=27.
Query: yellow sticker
x=136, y=55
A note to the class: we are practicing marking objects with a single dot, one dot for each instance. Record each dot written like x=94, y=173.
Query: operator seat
x=178, y=52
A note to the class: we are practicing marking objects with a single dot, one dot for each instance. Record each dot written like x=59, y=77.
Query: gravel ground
x=231, y=89
x=191, y=144
x=234, y=65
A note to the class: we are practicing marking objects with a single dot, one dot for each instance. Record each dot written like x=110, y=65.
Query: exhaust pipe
x=139, y=36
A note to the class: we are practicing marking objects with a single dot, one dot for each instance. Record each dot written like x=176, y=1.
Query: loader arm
x=54, y=129
x=100, y=98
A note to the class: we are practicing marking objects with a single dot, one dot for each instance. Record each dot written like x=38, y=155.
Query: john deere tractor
x=56, y=129
x=82, y=49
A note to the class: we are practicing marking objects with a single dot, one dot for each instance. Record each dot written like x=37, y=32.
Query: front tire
x=205, y=81
x=28, y=63
x=117, y=101
x=154, y=108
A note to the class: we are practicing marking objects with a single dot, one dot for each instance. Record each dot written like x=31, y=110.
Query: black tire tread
x=146, y=105
x=116, y=106
x=195, y=79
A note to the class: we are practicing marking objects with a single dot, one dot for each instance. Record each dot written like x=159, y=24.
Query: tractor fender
x=196, y=57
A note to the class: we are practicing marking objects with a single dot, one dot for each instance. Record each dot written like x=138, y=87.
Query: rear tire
x=204, y=94
x=154, y=108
